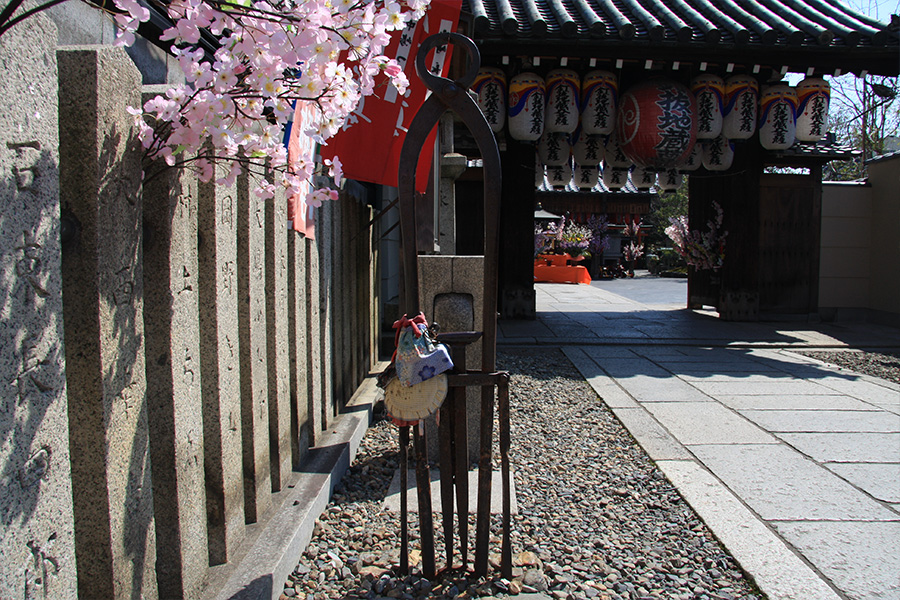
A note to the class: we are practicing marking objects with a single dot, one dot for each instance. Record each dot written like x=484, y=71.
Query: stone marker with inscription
x=219, y=368
x=37, y=543
x=171, y=328
x=100, y=182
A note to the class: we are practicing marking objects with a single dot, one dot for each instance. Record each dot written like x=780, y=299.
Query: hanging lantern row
x=656, y=123
x=587, y=176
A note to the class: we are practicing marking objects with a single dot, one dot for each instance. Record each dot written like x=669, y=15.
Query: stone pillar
x=36, y=519
x=324, y=224
x=175, y=411
x=298, y=346
x=277, y=357
x=220, y=369
x=251, y=272
x=315, y=393
x=345, y=325
x=452, y=166
x=452, y=293
x=338, y=285
x=100, y=183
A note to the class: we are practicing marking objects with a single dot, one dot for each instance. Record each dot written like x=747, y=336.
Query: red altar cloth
x=552, y=268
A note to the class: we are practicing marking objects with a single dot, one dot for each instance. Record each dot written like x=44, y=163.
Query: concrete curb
x=270, y=552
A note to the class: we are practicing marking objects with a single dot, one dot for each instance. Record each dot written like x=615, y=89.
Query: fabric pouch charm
x=418, y=358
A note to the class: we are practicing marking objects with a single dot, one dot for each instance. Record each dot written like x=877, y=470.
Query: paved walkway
x=794, y=464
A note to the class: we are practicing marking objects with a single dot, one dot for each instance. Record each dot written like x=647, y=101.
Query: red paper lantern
x=657, y=124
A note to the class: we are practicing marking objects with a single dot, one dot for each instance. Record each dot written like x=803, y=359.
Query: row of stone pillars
x=205, y=345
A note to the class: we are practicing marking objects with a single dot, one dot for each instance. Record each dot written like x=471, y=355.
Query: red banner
x=369, y=143
x=300, y=214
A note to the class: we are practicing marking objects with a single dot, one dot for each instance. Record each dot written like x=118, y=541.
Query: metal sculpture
x=452, y=95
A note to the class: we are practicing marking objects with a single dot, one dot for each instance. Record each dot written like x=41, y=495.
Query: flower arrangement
x=575, y=239
x=633, y=251
x=632, y=230
x=598, y=225
x=701, y=250
x=542, y=244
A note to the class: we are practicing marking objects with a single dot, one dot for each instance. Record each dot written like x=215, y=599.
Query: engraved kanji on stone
x=41, y=570
x=31, y=377
x=25, y=168
x=228, y=210
x=29, y=266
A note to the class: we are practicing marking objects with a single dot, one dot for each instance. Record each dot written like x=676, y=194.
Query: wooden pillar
x=516, y=298
x=734, y=289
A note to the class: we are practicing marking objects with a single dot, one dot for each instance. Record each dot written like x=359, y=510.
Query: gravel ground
x=877, y=364
x=597, y=520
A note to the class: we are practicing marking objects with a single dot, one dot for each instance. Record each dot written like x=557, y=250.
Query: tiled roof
x=748, y=26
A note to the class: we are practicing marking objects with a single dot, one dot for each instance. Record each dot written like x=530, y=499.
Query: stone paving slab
x=778, y=571
x=780, y=484
x=864, y=389
x=742, y=377
x=606, y=387
x=824, y=420
x=616, y=352
x=623, y=368
x=707, y=423
x=881, y=480
x=656, y=441
x=860, y=558
x=792, y=387
x=805, y=402
x=645, y=388
x=847, y=447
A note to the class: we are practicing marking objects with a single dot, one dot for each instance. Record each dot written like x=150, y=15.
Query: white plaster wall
x=845, y=267
x=884, y=283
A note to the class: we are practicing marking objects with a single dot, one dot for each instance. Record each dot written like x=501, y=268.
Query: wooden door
x=789, y=238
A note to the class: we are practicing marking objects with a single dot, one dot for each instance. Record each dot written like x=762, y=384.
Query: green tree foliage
x=662, y=206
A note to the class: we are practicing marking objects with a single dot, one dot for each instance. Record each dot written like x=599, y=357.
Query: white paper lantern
x=693, y=160
x=553, y=149
x=614, y=155
x=643, y=179
x=813, y=95
x=778, y=117
x=526, y=107
x=587, y=176
x=709, y=91
x=588, y=149
x=490, y=85
x=614, y=179
x=600, y=93
x=540, y=172
x=741, y=107
x=718, y=154
x=563, y=90
x=559, y=176
x=669, y=181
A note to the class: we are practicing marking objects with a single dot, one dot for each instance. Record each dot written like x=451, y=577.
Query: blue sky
x=879, y=9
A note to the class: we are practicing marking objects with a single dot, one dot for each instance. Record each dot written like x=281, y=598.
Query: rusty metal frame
x=453, y=95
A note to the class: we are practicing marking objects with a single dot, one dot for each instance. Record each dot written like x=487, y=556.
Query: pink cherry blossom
x=236, y=103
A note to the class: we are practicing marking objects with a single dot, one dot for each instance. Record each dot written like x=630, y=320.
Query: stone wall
x=172, y=350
